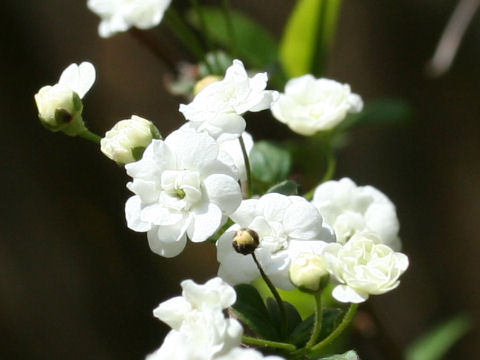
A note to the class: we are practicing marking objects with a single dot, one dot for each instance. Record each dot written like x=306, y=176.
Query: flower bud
x=245, y=241
x=60, y=109
x=309, y=272
x=127, y=140
x=203, y=83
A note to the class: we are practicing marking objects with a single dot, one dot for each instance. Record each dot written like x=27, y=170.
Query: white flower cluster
x=121, y=15
x=286, y=226
x=200, y=330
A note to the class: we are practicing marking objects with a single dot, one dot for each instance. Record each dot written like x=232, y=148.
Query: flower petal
x=223, y=191
x=79, y=78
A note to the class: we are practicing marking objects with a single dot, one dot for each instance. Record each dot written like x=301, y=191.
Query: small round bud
x=309, y=272
x=203, y=83
x=60, y=109
x=245, y=241
x=127, y=140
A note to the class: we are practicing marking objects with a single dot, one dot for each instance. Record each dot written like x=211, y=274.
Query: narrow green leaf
x=253, y=42
x=308, y=36
x=252, y=311
x=435, y=344
x=269, y=162
x=287, y=187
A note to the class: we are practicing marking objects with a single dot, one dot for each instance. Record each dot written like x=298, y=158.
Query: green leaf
x=381, y=111
x=252, y=41
x=435, y=344
x=330, y=320
x=269, y=162
x=287, y=187
x=293, y=317
x=308, y=36
x=251, y=310
x=349, y=355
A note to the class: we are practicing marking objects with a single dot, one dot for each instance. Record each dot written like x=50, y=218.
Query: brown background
x=75, y=283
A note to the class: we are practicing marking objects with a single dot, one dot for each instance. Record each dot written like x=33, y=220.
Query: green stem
x=175, y=22
x=331, y=164
x=276, y=295
x=267, y=343
x=347, y=319
x=248, y=171
x=317, y=327
x=88, y=135
x=230, y=29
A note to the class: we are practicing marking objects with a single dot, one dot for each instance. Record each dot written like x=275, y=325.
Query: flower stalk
x=248, y=191
x=276, y=295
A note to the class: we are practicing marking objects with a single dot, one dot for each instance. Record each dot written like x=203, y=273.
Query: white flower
x=308, y=272
x=218, y=108
x=128, y=138
x=59, y=106
x=121, y=15
x=350, y=209
x=183, y=187
x=199, y=327
x=364, y=266
x=247, y=354
x=310, y=105
x=286, y=226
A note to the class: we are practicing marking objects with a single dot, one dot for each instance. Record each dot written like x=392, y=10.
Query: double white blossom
x=127, y=140
x=286, y=226
x=350, y=209
x=310, y=105
x=199, y=327
x=364, y=266
x=183, y=186
x=219, y=107
x=121, y=15
x=60, y=106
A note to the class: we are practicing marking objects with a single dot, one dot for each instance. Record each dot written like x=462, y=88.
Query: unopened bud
x=128, y=139
x=245, y=241
x=309, y=272
x=203, y=83
x=60, y=109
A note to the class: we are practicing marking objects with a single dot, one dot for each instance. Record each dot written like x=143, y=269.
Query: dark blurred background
x=76, y=283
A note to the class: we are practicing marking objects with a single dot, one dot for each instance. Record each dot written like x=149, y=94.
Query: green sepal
x=155, y=132
x=137, y=152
